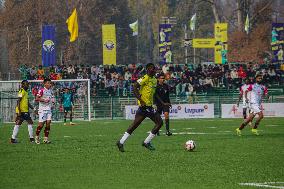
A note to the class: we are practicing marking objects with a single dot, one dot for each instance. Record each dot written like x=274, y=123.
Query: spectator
x=40, y=71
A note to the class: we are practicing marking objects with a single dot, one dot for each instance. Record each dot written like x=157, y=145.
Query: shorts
x=67, y=109
x=162, y=109
x=24, y=116
x=44, y=115
x=255, y=108
x=147, y=111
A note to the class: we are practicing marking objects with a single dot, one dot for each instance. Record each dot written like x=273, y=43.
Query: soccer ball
x=190, y=145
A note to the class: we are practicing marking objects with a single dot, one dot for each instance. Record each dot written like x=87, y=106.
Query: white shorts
x=44, y=115
x=255, y=108
x=246, y=105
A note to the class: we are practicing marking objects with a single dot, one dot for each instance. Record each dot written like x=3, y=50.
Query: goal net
x=79, y=87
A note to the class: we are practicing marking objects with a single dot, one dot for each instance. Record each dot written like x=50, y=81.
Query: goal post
x=81, y=89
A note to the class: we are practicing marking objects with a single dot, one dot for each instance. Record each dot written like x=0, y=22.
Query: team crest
x=48, y=45
x=109, y=45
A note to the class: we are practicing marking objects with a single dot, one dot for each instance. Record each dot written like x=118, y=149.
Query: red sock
x=38, y=129
x=46, y=131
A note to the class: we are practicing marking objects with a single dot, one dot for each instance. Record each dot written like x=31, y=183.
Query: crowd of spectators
x=185, y=79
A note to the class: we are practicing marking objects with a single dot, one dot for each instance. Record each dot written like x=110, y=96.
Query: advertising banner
x=203, y=43
x=221, y=43
x=277, y=41
x=48, y=45
x=165, y=43
x=269, y=110
x=109, y=44
x=180, y=111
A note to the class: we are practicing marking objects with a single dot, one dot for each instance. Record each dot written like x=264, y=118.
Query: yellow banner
x=109, y=44
x=221, y=39
x=203, y=43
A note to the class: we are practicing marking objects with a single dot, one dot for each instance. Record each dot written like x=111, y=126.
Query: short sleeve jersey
x=67, y=99
x=24, y=103
x=147, y=89
x=257, y=91
x=45, y=94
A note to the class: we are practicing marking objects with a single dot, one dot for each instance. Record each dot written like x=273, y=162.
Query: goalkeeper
x=67, y=102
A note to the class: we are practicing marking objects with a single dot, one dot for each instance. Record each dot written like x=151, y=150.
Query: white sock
x=15, y=131
x=30, y=129
x=124, y=137
x=149, y=138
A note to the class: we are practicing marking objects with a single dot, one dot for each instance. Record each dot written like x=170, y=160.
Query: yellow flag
x=72, y=23
x=109, y=44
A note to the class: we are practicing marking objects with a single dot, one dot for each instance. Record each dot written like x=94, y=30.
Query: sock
x=38, y=129
x=167, y=124
x=149, y=138
x=70, y=118
x=45, y=138
x=256, y=125
x=15, y=131
x=46, y=131
x=242, y=126
x=30, y=129
x=124, y=137
x=64, y=119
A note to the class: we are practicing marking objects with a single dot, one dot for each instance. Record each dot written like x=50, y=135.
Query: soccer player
x=257, y=92
x=162, y=99
x=22, y=111
x=46, y=99
x=67, y=101
x=144, y=91
x=244, y=88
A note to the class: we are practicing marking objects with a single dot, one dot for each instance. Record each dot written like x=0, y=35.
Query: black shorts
x=67, y=109
x=147, y=111
x=24, y=116
x=162, y=109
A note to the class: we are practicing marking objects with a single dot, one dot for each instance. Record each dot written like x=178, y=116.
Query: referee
x=162, y=100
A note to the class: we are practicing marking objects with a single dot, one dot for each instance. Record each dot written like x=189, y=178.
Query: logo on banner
x=48, y=45
x=109, y=45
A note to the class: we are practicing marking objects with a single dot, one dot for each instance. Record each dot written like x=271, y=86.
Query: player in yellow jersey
x=144, y=90
x=22, y=111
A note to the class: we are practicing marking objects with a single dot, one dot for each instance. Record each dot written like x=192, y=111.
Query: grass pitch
x=84, y=156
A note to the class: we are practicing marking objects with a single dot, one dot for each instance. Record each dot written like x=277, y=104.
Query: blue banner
x=165, y=43
x=48, y=45
x=277, y=42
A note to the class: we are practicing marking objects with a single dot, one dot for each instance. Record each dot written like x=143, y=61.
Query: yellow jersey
x=147, y=89
x=24, y=102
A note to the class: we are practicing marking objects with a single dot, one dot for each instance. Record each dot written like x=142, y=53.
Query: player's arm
x=240, y=96
x=136, y=87
x=19, y=104
x=39, y=97
x=30, y=106
x=246, y=93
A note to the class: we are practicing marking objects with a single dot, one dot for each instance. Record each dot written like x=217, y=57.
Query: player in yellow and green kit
x=144, y=90
x=22, y=111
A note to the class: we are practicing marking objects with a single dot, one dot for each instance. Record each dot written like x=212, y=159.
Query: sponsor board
x=180, y=111
x=269, y=110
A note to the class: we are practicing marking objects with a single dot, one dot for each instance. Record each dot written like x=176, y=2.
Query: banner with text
x=269, y=110
x=180, y=111
x=165, y=43
x=277, y=41
x=221, y=43
x=48, y=45
x=109, y=44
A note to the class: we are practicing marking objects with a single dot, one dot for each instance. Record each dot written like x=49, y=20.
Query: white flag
x=247, y=24
x=134, y=27
x=192, y=22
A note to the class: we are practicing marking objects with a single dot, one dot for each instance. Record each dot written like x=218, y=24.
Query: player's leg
x=71, y=116
x=139, y=117
x=245, y=113
x=167, y=123
x=159, y=111
x=47, y=128
x=30, y=129
x=41, y=120
x=18, y=123
x=260, y=117
x=249, y=119
x=65, y=115
x=156, y=118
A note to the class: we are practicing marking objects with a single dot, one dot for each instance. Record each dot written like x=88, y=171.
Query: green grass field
x=85, y=156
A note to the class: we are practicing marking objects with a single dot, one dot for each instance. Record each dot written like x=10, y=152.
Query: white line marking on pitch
x=265, y=184
x=211, y=127
x=271, y=125
x=189, y=128
x=66, y=136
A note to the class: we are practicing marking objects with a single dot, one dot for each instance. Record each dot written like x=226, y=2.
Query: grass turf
x=85, y=156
